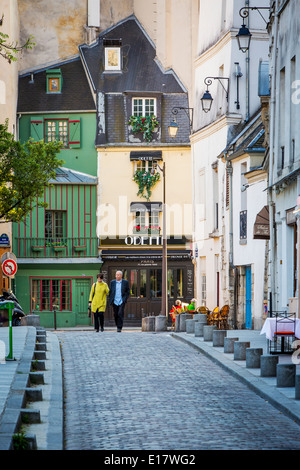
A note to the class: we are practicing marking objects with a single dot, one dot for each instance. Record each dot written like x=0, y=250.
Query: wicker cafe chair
x=224, y=313
x=216, y=317
x=173, y=316
x=204, y=310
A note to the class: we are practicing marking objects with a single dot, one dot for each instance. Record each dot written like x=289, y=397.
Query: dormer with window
x=112, y=55
x=54, y=80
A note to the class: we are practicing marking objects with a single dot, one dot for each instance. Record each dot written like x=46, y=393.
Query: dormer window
x=112, y=55
x=54, y=81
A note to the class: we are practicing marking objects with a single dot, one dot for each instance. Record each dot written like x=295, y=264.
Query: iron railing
x=80, y=247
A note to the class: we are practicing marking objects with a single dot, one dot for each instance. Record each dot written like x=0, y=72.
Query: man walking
x=118, y=295
x=97, y=301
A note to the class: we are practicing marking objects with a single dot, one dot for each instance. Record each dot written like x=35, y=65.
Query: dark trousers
x=99, y=318
x=119, y=315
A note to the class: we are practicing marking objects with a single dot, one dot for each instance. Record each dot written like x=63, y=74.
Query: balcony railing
x=82, y=247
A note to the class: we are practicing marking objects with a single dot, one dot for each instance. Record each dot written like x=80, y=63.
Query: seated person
x=177, y=307
x=192, y=305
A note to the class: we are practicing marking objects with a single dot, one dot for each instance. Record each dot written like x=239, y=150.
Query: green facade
x=80, y=154
x=57, y=246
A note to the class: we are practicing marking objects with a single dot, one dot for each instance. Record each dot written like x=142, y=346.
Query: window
x=57, y=130
x=54, y=80
x=51, y=294
x=112, y=58
x=143, y=165
x=144, y=106
x=63, y=130
x=146, y=223
x=55, y=224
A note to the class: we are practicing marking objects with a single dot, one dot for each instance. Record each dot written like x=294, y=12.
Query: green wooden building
x=57, y=246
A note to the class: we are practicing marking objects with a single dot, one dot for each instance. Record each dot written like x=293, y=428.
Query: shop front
x=142, y=267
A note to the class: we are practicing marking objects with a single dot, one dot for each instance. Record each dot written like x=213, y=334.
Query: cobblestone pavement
x=144, y=391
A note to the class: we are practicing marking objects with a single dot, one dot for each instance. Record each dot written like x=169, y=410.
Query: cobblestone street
x=143, y=391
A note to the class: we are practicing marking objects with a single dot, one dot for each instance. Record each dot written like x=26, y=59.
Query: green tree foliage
x=25, y=171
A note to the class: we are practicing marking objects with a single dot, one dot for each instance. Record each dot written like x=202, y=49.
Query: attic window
x=112, y=54
x=54, y=81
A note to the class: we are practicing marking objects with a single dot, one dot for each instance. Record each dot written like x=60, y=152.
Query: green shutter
x=74, y=134
x=37, y=128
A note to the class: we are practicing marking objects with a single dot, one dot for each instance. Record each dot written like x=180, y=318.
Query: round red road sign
x=9, y=267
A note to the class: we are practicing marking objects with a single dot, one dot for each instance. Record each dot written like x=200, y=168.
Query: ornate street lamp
x=244, y=35
x=207, y=99
x=173, y=126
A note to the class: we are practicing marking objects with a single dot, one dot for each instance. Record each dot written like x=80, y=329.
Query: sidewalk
x=31, y=401
x=283, y=398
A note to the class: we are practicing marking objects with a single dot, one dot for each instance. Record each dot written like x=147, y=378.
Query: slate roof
x=141, y=70
x=76, y=94
x=66, y=175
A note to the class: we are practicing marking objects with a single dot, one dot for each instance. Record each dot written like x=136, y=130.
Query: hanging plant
x=144, y=125
x=145, y=181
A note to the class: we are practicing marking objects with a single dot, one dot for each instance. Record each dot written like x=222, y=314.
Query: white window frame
x=107, y=65
x=144, y=105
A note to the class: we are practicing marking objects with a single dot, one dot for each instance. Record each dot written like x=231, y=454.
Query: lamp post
x=164, y=298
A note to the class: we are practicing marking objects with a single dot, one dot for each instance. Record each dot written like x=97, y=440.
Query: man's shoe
x=119, y=330
x=102, y=329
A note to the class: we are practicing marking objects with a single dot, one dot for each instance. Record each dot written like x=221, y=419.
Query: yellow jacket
x=98, y=294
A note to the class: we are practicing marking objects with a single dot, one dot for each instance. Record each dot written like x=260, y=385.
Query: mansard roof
x=141, y=70
x=76, y=94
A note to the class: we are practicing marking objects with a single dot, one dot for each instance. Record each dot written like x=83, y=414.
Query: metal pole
x=10, y=306
x=164, y=305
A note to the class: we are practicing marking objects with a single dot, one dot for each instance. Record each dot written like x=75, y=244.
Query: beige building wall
x=9, y=71
x=8, y=94
x=117, y=190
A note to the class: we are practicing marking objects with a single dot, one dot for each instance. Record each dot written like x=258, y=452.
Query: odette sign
x=143, y=240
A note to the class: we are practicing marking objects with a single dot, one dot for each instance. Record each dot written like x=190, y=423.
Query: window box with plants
x=144, y=126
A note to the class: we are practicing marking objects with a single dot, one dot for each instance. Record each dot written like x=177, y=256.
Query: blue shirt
x=118, y=295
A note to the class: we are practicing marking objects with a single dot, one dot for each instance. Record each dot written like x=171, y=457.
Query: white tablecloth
x=269, y=327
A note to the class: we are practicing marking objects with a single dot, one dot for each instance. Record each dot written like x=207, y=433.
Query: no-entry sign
x=9, y=267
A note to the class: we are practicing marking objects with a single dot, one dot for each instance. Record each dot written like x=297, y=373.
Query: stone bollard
x=239, y=350
x=148, y=323
x=177, y=323
x=286, y=375
x=218, y=337
x=30, y=320
x=229, y=344
x=297, y=387
x=183, y=318
x=208, y=332
x=160, y=323
x=253, y=357
x=268, y=365
x=189, y=326
x=202, y=317
x=199, y=328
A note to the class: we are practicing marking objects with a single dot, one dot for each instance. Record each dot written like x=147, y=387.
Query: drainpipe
x=271, y=160
x=247, y=75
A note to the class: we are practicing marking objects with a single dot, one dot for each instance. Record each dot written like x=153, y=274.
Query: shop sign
x=142, y=241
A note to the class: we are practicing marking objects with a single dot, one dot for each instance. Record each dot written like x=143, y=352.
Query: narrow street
x=143, y=391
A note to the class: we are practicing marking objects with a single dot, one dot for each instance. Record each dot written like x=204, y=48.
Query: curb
x=265, y=391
